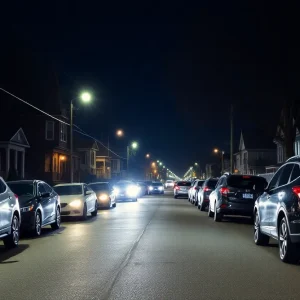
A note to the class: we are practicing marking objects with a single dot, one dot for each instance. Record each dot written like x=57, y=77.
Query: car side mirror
x=45, y=195
x=88, y=193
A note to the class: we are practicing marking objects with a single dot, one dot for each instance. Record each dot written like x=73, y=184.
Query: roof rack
x=293, y=158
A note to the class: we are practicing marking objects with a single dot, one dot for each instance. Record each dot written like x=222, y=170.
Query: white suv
x=10, y=217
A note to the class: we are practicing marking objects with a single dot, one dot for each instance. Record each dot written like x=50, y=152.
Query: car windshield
x=169, y=181
x=99, y=186
x=157, y=184
x=211, y=183
x=21, y=189
x=184, y=183
x=64, y=190
x=246, y=182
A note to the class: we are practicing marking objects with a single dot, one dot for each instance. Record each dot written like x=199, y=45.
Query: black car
x=235, y=195
x=203, y=194
x=104, y=192
x=156, y=188
x=39, y=205
x=277, y=211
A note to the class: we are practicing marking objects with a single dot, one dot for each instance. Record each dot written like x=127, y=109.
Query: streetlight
x=147, y=155
x=120, y=132
x=196, y=164
x=216, y=150
x=160, y=163
x=85, y=97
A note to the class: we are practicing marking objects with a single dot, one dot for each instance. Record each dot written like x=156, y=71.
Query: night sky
x=167, y=73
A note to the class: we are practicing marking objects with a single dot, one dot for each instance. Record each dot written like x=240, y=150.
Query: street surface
x=157, y=248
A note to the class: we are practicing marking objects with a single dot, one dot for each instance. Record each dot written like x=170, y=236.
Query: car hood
x=25, y=201
x=70, y=198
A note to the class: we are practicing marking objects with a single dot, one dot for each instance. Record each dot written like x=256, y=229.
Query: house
x=255, y=152
x=13, y=145
x=103, y=162
x=86, y=148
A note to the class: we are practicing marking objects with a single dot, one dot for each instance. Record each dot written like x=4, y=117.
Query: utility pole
x=231, y=139
x=71, y=141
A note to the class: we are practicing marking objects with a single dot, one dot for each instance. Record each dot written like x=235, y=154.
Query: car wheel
x=202, y=206
x=196, y=202
x=210, y=213
x=37, y=224
x=287, y=250
x=175, y=196
x=95, y=212
x=84, y=212
x=114, y=205
x=217, y=216
x=12, y=240
x=56, y=224
x=259, y=237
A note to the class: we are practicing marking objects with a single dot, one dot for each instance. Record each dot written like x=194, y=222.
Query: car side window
x=41, y=189
x=285, y=175
x=85, y=189
x=47, y=188
x=295, y=173
x=273, y=183
x=2, y=187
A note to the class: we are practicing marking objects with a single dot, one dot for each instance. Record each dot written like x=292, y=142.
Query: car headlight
x=160, y=188
x=150, y=188
x=132, y=190
x=75, y=203
x=116, y=191
x=103, y=197
x=27, y=208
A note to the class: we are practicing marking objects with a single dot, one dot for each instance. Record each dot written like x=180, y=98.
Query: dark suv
x=277, y=211
x=235, y=195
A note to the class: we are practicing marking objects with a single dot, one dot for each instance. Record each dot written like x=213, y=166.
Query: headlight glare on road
x=103, y=197
x=75, y=203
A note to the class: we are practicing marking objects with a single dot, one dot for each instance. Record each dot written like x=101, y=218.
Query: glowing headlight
x=160, y=188
x=150, y=188
x=116, y=191
x=103, y=197
x=132, y=190
x=27, y=208
x=75, y=203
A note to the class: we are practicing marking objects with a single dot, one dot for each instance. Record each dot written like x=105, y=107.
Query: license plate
x=248, y=196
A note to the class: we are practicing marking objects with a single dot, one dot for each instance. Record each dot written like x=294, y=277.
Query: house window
x=49, y=130
x=63, y=132
x=92, y=158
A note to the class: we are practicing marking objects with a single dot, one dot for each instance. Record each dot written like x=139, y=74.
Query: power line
x=81, y=131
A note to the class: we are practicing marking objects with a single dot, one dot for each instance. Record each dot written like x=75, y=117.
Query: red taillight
x=246, y=177
x=176, y=187
x=223, y=206
x=206, y=189
x=224, y=191
x=296, y=190
x=17, y=197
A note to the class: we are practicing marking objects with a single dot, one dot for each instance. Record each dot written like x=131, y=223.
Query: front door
x=45, y=203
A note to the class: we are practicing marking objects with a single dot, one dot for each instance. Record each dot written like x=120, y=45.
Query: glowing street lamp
x=160, y=163
x=85, y=97
x=134, y=145
x=216, y=150
x=147, y=155
x=120, y=132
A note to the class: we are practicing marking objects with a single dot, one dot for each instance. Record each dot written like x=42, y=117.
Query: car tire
x=95, y=212
x=210, y=213
x=12, y=240
x=196, y=202
x=217, y=216
x=288, y=252
x=175, y=196
x=56, y=224
x=84, y=213
x=37, y=224
x=260, y=238
x=202, y=206
x=114, y=205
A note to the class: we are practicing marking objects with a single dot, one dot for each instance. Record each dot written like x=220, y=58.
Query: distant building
x=255, y=152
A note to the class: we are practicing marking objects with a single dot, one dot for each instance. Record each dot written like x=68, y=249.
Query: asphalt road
x=157, y=248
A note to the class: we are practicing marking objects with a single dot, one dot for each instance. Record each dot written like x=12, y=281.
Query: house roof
x=257, y=139
x=9, y=134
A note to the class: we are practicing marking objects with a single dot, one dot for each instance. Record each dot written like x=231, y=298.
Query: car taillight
x=224, y=191
x=176, y=187
x=296, y=190
x=17, y=197
x=195, y=188
x=206, y=189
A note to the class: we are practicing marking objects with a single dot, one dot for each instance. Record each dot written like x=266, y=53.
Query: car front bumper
x=28, y=220
x=71, y=211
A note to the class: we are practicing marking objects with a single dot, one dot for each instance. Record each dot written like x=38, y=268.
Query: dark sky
x=168, y=71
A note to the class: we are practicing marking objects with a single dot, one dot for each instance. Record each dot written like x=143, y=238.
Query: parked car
x=77, y=200
x=125, y=190
x=156, y=188
x=169, y=184
x=105, y=196
x=277, y=211
x=235, y=195
x=203, y=194
x=193, y=192
x=39, y=205
x=10, y=216
x=182, y=189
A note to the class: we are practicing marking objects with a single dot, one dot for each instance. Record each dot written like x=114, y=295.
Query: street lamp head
x=120, y=132
x=134, y=145
x=196, y=164
x=160, y=163
x=86, y=97
x=147, y=155
x=164, y=167
x=216, y=150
